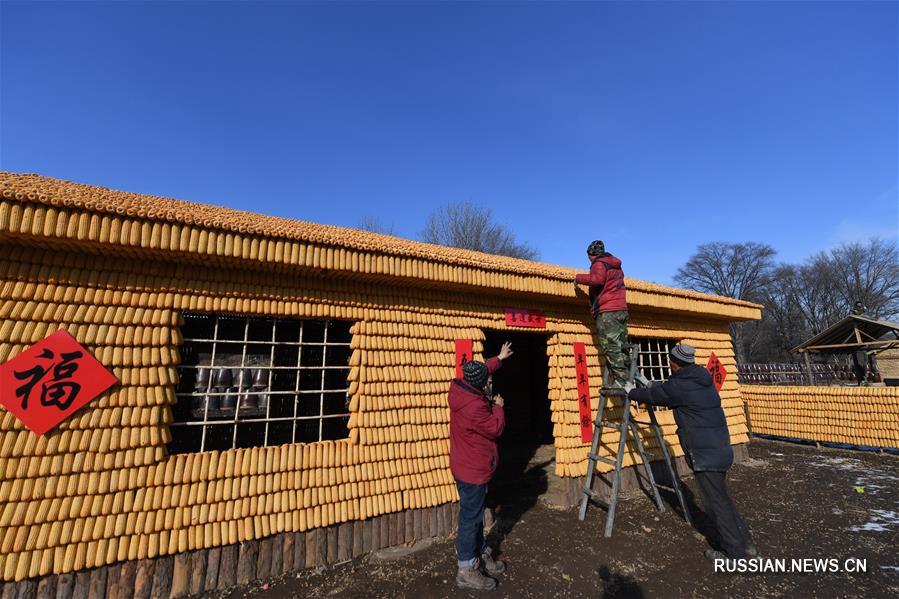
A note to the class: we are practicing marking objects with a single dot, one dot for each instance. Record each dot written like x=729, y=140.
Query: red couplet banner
x=50, y=381
x=583, y=392
x=520, y=317
x=717, y=370
x=463, y=354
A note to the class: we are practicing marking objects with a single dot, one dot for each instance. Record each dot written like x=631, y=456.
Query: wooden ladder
x=627, y=426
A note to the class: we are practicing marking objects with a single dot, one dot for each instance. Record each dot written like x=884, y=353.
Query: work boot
x=470, y=577
x=492, y=566
x=713, y=554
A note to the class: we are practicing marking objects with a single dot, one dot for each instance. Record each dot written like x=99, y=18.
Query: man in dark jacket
x=702, y=431
x=608, y=304
x=476, y=422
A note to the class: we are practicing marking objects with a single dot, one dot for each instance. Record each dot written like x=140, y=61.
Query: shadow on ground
x=800, y=502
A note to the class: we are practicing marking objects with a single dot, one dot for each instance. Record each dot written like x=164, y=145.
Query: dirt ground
x=800, y=502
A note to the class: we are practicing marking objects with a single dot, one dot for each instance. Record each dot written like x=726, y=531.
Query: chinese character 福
x=59, y=391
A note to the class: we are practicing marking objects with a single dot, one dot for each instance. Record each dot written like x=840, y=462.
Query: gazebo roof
x=852, y=333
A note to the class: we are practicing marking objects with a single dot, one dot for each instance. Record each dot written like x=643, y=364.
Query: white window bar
x=321, y=398
x=213, y=417
x=653, y=357
x=296, y=388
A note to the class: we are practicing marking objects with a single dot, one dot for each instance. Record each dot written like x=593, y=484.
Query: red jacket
x=475, y=425
x=606, y=281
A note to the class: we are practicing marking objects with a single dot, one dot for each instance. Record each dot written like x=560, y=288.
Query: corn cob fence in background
x=860, y=416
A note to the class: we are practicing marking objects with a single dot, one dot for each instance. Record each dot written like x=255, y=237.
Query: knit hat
x=596, y=248
x=683, y=354
x=475, y=373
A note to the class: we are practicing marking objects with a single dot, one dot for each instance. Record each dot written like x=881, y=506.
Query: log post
x=808, y=369
x=246, y=562
x=125, y=580
x=162, y=577
x=197, y=572
x=227, y=576
x=213, y=558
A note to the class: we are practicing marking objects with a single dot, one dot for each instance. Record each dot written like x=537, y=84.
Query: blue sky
x=652, y=126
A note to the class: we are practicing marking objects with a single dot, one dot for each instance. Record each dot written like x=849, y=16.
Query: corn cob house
x=282, y=386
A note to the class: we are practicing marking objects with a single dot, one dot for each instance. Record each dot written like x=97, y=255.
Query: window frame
x=244, y=415
x=663, y=366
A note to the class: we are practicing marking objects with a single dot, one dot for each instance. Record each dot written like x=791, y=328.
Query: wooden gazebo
x=853, y=333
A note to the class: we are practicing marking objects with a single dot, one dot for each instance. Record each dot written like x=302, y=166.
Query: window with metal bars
x=653, y=357
x=249, y=381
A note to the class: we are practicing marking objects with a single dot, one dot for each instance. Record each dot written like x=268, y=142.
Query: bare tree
x=737, y=270
x=374, y=225
x=464, y=225
x=800, y=300
x=866, y=273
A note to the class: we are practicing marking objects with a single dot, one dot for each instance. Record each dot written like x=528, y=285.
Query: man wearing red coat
x=608, y=304
x=476, y=422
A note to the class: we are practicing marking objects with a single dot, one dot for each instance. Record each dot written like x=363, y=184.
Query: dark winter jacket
x=701, y=425
x=606, y=281
x=475, y=425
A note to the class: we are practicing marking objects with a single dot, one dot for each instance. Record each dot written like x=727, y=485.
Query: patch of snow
x=880, y=521
x=871, y=479
x=848, y=464
x=870, y=527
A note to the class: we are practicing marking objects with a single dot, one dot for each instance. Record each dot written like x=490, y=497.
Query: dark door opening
x=526, y=449
x=523, y=381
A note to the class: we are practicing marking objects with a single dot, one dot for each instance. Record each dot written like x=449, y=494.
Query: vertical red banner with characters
x=583, y=392
x=463, y=354
x=50, y=381
x=717, y=370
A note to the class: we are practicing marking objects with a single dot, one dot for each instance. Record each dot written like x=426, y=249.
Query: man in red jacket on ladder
x=608, y=304
x=476, y=422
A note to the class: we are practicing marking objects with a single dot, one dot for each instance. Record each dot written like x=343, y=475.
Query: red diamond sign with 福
x=717, y=370
x=50, y=381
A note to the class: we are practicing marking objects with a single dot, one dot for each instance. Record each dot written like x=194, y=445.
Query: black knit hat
x=596, y=248
x=475, y=373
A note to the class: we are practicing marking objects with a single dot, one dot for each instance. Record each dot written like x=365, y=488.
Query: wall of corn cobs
x=866, y=416
x=101, y=488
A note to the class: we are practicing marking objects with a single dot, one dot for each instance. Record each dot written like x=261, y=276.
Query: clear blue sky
x=653, y=126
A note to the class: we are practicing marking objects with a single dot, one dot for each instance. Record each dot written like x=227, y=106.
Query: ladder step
x=607, y=424
x=613, y=391
x=603, y=459
x=595, y=497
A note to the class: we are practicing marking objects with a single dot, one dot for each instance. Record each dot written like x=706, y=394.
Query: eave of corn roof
x=59, y=193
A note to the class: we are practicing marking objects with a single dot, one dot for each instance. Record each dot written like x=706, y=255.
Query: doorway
x=527, y=451
x=523, y=381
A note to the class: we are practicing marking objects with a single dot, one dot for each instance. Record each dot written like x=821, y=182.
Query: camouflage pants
x=611, y=329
